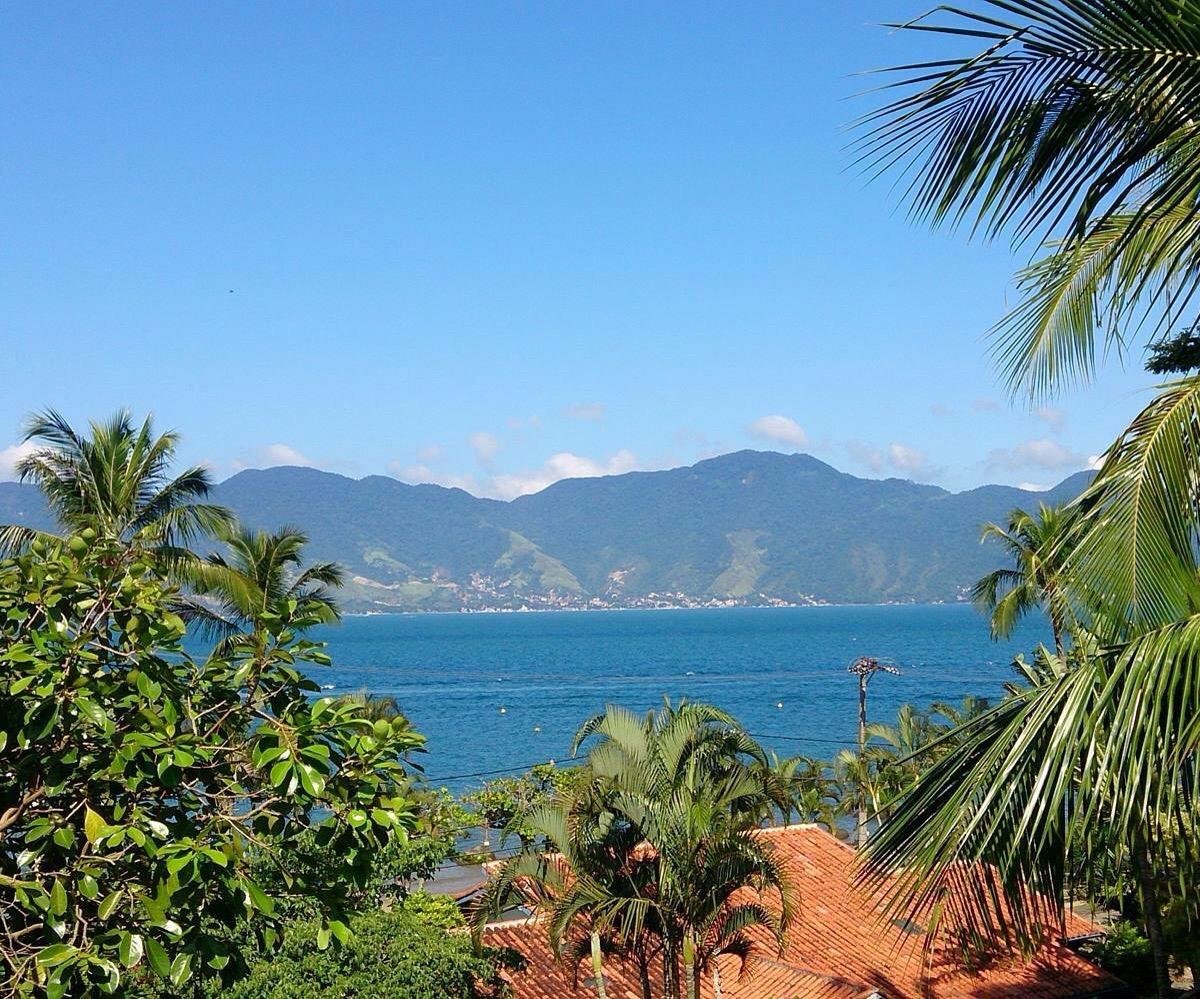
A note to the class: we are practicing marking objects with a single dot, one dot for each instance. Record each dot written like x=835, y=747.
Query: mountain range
x=752, y=527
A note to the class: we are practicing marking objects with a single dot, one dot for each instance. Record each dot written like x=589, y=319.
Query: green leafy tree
x=695, y=786
x=504, y=803
x=117, y=482
x=140, y=787
x=588, y=876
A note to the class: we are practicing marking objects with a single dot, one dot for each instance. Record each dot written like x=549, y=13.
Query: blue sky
x=494, y=244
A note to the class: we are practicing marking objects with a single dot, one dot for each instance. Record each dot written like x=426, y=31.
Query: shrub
x=403, y=953
x=1125, y=952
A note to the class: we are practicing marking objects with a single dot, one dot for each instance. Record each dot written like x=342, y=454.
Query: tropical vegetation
x=156, y=804
x=1071, y=125
x=649, y=855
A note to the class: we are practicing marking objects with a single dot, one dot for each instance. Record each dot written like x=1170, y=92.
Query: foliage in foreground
x=1073, y=123
x=141, y=786
x=404, y=952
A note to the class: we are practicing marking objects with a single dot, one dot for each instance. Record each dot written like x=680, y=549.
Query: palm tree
x=1036, y=547
x=595, y=880
x=695, y=786
x=260, y=576
x=117, y=482
x=653, y=849
x=1076, y=128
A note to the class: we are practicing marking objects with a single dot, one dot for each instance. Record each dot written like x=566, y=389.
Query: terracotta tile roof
x=837, y=948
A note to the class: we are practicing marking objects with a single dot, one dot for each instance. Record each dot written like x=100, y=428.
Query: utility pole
x=864, y=668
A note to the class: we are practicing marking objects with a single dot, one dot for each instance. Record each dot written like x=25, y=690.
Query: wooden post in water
x=864, y=668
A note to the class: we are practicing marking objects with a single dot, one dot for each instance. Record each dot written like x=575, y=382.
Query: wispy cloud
x=285, y=454
x=588, y=412
x=1040, y=453
x=985, y=405
x=564, y=465
x=905, y=459
x=484, y=445
x=524, y=423
x=510, y=485
x=422, y=473
x=780, y=429
x=1054, y=418
x=271, y=456
x=431, y=452
x=940, y=409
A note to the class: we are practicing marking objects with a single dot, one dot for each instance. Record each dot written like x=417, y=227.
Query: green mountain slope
x=746, y=527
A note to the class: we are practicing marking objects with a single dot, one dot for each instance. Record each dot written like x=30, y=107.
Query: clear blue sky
x=491, y=244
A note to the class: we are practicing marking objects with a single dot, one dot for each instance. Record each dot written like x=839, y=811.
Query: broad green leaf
x=130, y=949
x=157, y=956
x=93, y=825
x=181, y=969
x=55, y=954
x=58, y=898
x=259, y=898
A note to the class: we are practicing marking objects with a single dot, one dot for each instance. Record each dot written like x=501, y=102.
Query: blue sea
x=494, y=692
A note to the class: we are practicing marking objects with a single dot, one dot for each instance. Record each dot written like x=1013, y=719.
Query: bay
x=504, y=691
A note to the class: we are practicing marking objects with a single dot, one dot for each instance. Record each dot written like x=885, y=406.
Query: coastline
x=400, y=612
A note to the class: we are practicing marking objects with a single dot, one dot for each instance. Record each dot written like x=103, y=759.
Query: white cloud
x=985, y=405
x=896, y=457
x=908, y=459
x=1055, y=419
x=429, y=453
x=589, y=412
x=1095, y=461
x=9, y=457
x=421, y=473
x=563, y=465
x=1032, y=487
x=781, y=429
x=529, y=423
x=867, y=455
x=271, y=456
x=284, y=454
x=1040, y=453
x=940, y=409
x=484, y=445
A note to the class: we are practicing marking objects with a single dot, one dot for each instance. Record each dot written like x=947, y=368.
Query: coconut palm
x=117, y=482
x=1036, y=546
x=260, y=575
x=1073, y=124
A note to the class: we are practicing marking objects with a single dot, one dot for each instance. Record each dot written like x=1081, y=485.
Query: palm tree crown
x=117, y=482
x=261, y=574
x=1035, y=545
x=1077, y=126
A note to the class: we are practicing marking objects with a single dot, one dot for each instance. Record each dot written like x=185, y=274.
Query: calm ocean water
x=493, y=691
